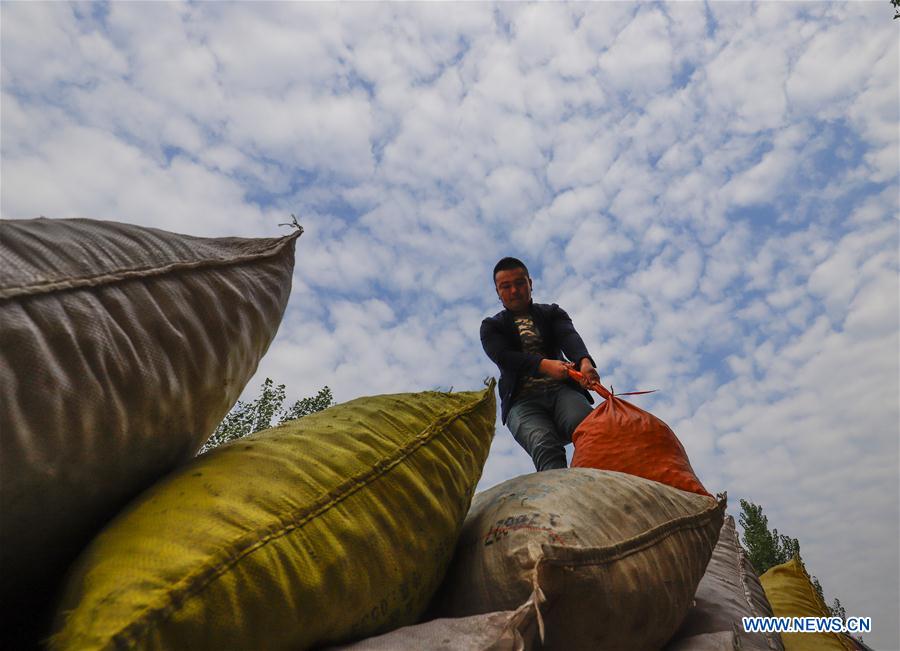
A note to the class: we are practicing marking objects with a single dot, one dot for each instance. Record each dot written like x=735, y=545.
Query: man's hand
x=589, y=374
x=555, y=368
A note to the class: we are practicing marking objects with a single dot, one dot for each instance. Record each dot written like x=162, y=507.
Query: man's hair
x=510, y=263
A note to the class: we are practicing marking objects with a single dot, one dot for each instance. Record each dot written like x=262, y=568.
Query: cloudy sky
x=710, y=190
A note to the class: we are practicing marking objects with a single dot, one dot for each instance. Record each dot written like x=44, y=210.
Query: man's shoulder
x=546, y=309
x=542, y=309
x=497, y=318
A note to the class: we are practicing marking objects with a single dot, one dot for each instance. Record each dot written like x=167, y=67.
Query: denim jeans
x=543, y=423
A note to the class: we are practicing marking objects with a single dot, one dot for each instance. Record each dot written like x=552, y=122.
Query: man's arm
x=573, y=346
x=589, y=373
x=555, y=368
x=497, y=347
x=523, y=364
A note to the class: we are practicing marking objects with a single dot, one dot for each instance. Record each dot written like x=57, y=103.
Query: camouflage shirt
x=532, y=343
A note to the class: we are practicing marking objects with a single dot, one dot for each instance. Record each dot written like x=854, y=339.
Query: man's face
x=514, y=289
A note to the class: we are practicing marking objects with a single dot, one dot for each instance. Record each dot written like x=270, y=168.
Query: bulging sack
x=620, y=436
x=333, y=527
x=728, y=591
x=791, y=594
x=612, y=560
x=123, y=347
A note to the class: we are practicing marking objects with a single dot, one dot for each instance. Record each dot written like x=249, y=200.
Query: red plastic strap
x=602, y=390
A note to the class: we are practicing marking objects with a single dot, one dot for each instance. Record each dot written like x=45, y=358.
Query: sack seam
x=152, y=271
x=633, y=545
x=197, y=581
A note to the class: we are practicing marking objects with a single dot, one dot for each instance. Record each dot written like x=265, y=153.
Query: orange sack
x=619, y=436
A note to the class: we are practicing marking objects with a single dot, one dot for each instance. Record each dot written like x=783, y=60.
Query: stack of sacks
x=791, y=593
x=333, y=527
x=611, y=560
x=123, y=347
x=728, y=591
x=604, y=559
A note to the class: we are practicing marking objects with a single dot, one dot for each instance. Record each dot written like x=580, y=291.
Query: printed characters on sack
x=528, y=521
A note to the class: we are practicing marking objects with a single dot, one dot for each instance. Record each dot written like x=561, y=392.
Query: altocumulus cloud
x=709, y=190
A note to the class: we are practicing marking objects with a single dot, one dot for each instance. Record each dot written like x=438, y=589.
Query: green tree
x=896, y=4
x=305, y=406
x=255, y=415
x=765, y=548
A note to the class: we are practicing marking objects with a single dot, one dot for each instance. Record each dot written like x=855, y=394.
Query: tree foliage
x=765, y=548
x=261, y=413
x=306, y=406
x=896, y=4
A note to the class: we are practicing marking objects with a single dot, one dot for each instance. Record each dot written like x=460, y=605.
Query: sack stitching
x=107, y=278
x=633, y=545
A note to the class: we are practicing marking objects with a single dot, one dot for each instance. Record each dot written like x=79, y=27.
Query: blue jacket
x=500, y=340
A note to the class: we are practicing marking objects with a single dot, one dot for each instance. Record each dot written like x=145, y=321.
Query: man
x=527, y=341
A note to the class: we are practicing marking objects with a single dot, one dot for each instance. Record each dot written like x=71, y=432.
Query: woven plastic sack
x=791, y=594
x=612, y=560
x=720, y=641
x=123, y=347
x=333, y=527
x=728, y=591
x=620, y=436
x=514, y=630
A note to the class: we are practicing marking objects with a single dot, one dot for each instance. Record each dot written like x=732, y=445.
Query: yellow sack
x=333, y=527
x=791, y=594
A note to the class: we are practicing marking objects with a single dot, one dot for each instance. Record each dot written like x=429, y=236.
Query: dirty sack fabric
x=123, y=347
x=721, y=641
x=621, y=436
x=513, y=630
x=728, y=591
x=600, y=549
x=329, y=528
